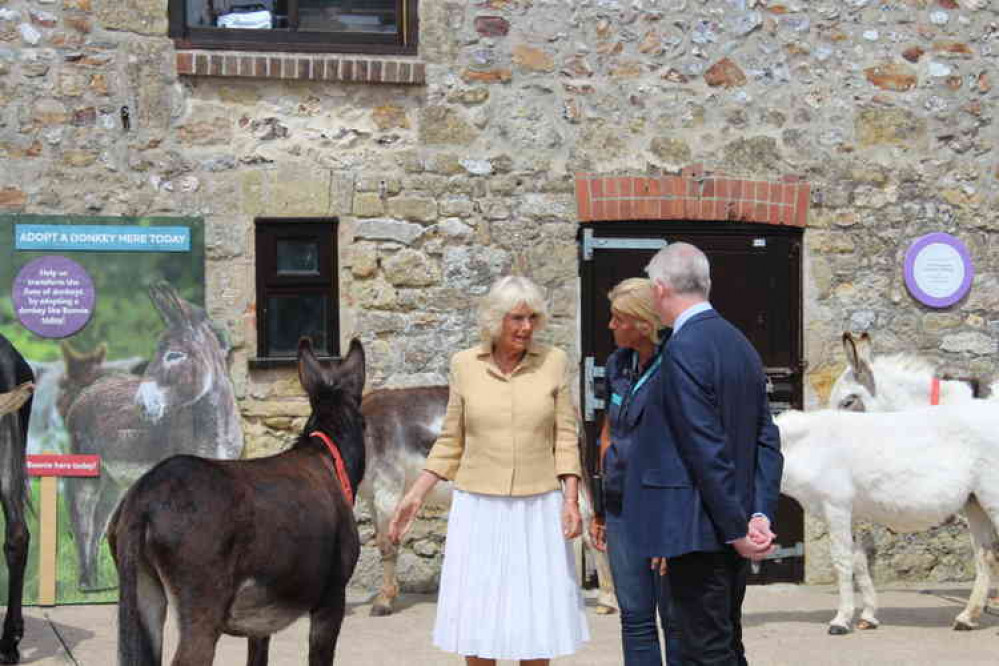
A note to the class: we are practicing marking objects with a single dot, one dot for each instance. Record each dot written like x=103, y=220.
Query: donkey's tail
x=141, y=597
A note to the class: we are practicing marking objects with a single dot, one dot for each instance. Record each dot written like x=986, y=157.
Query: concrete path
x=785, y=625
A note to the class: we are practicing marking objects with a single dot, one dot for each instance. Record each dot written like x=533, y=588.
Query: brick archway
x=694, y=194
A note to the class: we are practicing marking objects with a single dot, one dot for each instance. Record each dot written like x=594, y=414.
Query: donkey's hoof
x=865, y=625
x=838, y=630
x=9, y=655
x=601, y=609
x=961, y=625
x=380, y=610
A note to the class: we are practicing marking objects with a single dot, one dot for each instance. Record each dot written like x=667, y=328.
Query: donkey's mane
x=898, y=364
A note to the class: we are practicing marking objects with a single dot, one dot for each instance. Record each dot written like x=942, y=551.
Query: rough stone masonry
x=885, y=107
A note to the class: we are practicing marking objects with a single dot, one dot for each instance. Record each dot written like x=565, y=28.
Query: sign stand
x=48, y=522
x=49, y=467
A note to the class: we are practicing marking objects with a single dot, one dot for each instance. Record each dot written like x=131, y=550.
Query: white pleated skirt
x=508, y=588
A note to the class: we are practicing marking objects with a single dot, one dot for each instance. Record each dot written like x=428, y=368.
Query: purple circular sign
x=938, y=270
x=53, y=296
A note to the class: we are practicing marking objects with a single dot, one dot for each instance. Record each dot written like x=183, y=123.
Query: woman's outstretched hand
x=410, y=505
x=403, y=518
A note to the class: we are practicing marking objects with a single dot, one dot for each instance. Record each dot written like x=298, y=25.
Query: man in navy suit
x=706, y=466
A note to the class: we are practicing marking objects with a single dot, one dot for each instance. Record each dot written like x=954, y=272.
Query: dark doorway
x=756, y=284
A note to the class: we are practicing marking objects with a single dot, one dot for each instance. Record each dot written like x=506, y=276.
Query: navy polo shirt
x=629, y=391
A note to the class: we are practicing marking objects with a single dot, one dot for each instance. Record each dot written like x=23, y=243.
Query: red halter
x=935, y=391
x=341, y=468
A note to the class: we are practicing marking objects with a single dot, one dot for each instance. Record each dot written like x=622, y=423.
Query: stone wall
x=885, y=108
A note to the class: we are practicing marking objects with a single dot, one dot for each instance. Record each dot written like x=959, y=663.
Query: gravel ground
x=784, y=624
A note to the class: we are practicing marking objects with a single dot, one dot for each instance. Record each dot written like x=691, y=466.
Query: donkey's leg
x=15, y=548
x=387, y=490
x=200, y=599
x=108, y=496
x=82, y=496
x=151, y=605
x=198, y=632
x=324, y=627
x=841, y=546
x=868, y=596
x=607, y=599
x=983, y=538
x=257, y=651
x=389, y=590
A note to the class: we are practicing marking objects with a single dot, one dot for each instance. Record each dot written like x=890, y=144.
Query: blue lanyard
x=645, y=375
x=649, y=371
x=641, y=382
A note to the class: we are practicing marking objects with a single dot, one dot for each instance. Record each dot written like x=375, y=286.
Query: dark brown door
x=756, y=285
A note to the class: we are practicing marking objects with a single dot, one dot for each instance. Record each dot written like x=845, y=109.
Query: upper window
x=296, y=287
x=344, y=26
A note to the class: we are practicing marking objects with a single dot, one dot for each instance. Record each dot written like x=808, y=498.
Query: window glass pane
x=295, y=257
x=377, y=16
x=237, y=14
x=291, y=317
x=370, y=16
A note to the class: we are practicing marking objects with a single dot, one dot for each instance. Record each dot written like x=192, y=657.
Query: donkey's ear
x=163, y=303
x=187, y=312
x=69, y=354
x=850, y=349
x=74, y=357
x=310, y=372
x=352, y=369
x=865, y=348
x=858, y=356
x=172, y=308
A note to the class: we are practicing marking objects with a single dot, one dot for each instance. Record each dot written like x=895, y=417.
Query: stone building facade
x=454, y=166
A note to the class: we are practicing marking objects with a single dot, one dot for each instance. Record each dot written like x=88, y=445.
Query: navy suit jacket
x=707, y=455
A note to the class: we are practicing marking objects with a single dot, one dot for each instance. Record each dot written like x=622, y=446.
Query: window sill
x=302, y=67
x=264, y=363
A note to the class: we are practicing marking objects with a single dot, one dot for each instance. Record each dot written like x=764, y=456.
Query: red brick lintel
x=303, y=67
x=693, y=195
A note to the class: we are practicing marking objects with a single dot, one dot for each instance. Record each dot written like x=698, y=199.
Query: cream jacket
x=508, y=435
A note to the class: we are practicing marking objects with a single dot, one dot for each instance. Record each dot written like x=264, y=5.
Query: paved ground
x=784, y=625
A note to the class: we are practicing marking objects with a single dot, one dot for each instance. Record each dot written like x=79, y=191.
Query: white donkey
x=909, y=471
x=889, y=384
x=892, y=383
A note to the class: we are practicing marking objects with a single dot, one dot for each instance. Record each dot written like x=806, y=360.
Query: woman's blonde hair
x=633, y=297
x=506, y=294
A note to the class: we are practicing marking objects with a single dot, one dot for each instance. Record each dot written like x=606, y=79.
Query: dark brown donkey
x=245, y=547
x=16, y=386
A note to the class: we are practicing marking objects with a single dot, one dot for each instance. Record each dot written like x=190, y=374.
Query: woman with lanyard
x=631, y=373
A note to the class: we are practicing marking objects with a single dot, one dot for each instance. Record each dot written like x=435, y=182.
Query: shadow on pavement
x=892, y=616
x=42, y=639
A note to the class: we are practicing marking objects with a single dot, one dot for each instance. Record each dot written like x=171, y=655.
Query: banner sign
x=97, y=305
x=63, y=465
x=104, y=238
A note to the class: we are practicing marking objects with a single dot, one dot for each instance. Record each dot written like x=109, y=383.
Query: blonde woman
x=509, y=444
x=632, y=371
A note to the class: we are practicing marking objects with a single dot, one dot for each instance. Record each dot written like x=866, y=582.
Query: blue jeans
x=640, y=591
